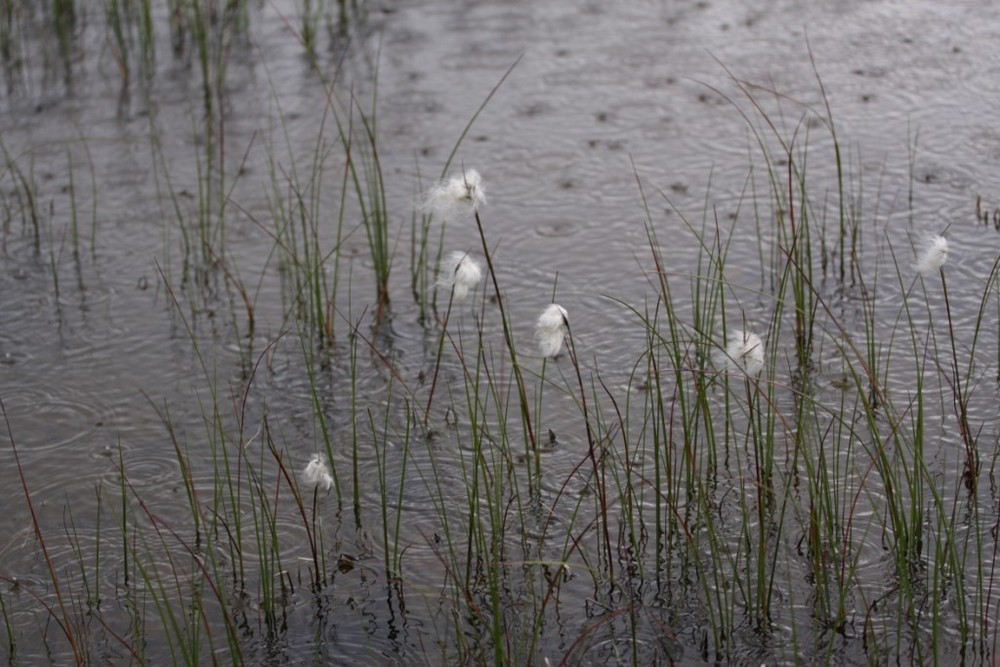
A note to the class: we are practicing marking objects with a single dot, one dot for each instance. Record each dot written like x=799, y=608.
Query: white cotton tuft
x=317, y=473
x=551, y=329
x=460, y=195
x=461, y=272
x=744, y=353
x=934, y=255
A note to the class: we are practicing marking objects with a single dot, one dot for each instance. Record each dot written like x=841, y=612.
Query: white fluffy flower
x=461, y=272
x=460, y=195
x=744, y=353
x=934, y=255
x=317, y=473
x=551, y=328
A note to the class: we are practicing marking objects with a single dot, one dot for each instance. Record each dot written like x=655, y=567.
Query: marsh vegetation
x=301, y=364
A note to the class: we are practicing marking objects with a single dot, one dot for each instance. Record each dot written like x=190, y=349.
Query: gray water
x=95, y=352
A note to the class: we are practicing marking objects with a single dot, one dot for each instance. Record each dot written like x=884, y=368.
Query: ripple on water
x=46, y=419
x=14, y=352
x=558, y=228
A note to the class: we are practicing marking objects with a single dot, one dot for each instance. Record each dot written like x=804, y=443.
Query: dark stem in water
x=437, y=360
x=971, y=457
x=599, y=477
x=522, y=394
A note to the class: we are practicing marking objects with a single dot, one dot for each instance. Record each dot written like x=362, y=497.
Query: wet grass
x=713, y=502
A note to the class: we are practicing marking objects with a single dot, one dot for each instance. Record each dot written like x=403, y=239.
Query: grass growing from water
x=769, y=479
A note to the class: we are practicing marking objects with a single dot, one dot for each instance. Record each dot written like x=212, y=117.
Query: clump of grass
x=369, y=188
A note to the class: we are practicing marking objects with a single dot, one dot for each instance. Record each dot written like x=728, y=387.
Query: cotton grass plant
x=460, y=197
x=435, y=202
x=743, y=354
x=934, y=256
x=551, y=329
x=461, y=273
x=317, y=473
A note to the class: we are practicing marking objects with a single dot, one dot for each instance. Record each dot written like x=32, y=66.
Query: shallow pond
x=192, y=215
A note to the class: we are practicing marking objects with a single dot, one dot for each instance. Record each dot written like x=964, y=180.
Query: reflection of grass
x=683, y=508
x=19, y=199
x=10, y=52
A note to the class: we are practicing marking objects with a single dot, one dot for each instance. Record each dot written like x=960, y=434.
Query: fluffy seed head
x=744, y=353
x=934, y=255
x=317, y=473
x=460, y=195
x=461, y=272
x=551, y=329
